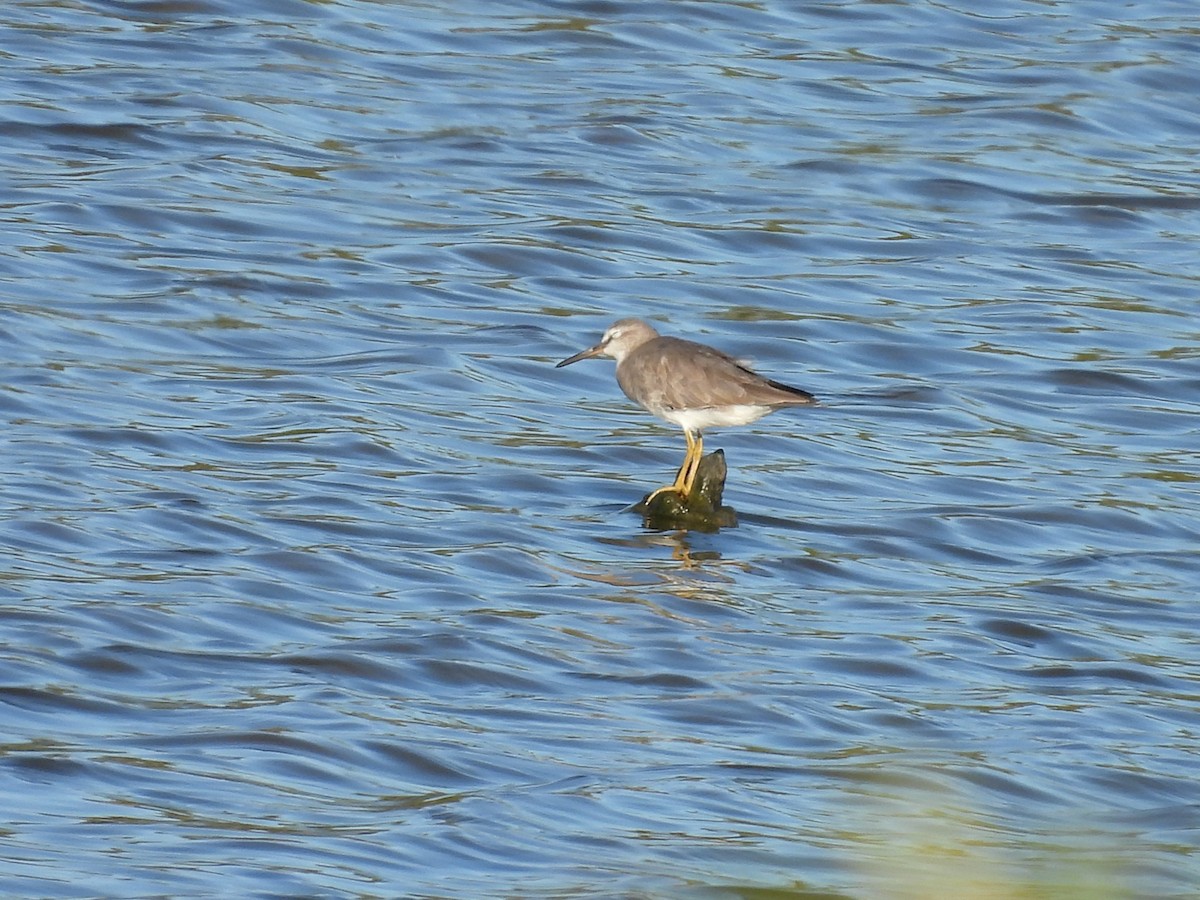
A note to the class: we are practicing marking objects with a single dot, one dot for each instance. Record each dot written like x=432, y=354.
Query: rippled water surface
x=321, y=580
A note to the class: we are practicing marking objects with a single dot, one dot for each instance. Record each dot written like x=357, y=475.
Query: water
x=320, y=579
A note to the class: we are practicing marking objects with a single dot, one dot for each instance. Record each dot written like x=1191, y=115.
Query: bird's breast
x=701, y=417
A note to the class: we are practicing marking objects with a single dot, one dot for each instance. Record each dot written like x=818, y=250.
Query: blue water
x=321, y=580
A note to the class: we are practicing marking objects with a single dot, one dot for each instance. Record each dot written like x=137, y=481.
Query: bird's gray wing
x=671, y=373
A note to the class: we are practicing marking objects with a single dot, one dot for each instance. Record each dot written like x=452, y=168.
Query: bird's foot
x=674, y=506
x=667, y=489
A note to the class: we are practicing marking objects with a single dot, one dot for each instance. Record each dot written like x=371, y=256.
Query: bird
x=687, y=384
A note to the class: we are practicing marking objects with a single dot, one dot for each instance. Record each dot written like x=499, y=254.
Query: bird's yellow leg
x=688, y=464
x=686, y=470
x=697, y=453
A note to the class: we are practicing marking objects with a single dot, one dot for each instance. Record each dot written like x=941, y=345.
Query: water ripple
x=321, y=579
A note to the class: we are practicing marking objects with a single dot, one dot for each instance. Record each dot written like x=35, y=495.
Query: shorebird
x=688, y=384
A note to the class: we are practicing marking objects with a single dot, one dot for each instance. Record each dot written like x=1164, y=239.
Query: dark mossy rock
x=701, y=510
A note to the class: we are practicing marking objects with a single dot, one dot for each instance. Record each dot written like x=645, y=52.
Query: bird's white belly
x=702, y=417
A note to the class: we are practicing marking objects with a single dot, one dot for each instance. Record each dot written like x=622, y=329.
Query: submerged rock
x=700, y=510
